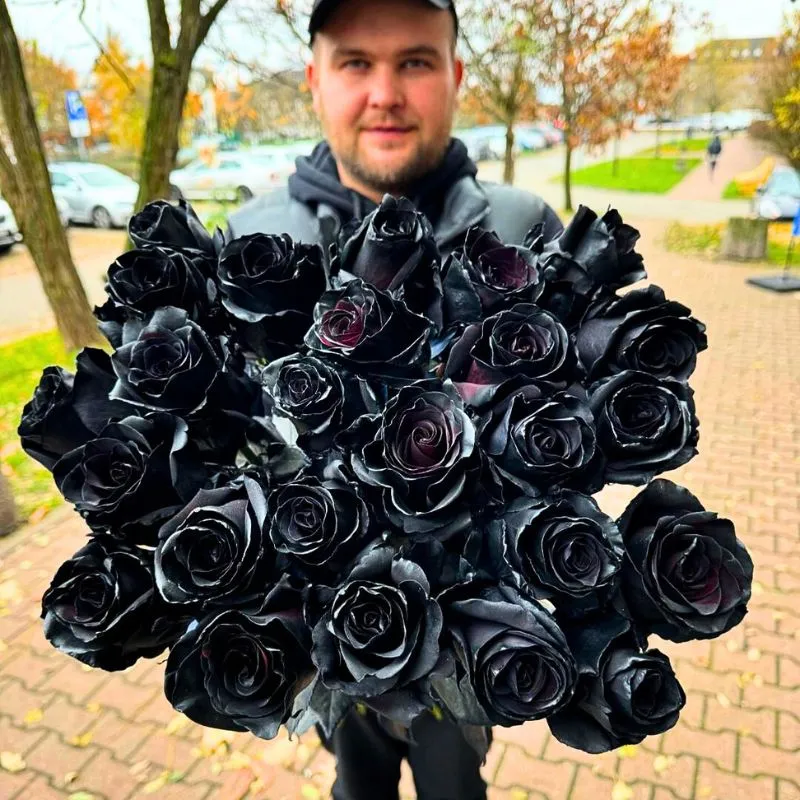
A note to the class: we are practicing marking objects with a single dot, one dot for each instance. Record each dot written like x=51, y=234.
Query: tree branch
x=159, y=27
x=208, y=19
x=104, y=53
x=8, y=176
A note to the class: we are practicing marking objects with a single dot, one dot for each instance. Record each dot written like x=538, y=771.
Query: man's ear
x=312, y=81
x=458, y=71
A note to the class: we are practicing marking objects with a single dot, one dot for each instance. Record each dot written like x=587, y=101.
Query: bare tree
x=25, y=183
x=172, y=66
x=501, y=44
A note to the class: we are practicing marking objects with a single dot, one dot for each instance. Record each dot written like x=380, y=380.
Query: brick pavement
x=76, y=733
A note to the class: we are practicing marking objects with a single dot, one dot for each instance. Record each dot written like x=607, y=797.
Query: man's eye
x=417, y=63
x=355, y=63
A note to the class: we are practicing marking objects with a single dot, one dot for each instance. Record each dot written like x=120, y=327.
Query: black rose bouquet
x=366, y=477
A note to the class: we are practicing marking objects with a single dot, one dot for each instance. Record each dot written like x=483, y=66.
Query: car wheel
x=243, y=194
x=5, y=248
x=101, y=218
x=175, y=193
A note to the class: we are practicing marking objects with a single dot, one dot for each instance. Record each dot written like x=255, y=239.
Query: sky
x=54, y=23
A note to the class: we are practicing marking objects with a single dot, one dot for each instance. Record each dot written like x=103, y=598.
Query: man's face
x=384, y=78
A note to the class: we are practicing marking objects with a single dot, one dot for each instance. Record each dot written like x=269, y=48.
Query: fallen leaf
x=236, y=761
x=704, y=791
x=11, y=762
x=723, y=700
x=26, y=564
x=176, y=724
x=176, y=777
x=732, y=645
x=310, y=792
x=628, y=751
x=33, y=716
x=757, y=588
x=519, y=794
x=139, y=768
x=753, y=654
x=38, y=515
x=81, y=796
x=3, y=646
x=80, y=741
x=40, y=539
x=778, y=615
x=662, y=763
x=94, y=708
x=151, y=787
x=69, y=778
x=621, y=791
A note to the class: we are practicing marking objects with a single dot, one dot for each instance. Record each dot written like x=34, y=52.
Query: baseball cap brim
x=324, y=8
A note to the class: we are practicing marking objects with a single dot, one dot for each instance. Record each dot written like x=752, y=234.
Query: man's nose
x=386, y=89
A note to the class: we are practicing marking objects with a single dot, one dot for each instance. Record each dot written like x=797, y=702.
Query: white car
x=235, y=175
x=95, y=194
x=9, y=231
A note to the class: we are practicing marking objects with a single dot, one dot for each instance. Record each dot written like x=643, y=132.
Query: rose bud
x=165, y=225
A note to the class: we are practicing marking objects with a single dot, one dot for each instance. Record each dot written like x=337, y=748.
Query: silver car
x=237, y=175
x=9, y=231
x=96, y=194
x=779, y=197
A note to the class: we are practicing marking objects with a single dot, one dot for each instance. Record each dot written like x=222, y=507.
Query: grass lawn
x=731, y=192
x=673, y=148
x=21, y=365
x=654, y=175
x=706, y=240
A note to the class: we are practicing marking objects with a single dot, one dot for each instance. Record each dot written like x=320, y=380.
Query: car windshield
x=104, y=177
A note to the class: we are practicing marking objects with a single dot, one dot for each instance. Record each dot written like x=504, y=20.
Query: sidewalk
x=738, y=155
x=89, y=735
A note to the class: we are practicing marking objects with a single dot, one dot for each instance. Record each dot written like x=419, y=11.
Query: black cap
x=323, y=8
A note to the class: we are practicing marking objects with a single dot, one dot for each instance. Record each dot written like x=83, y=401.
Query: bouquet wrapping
x=366, y=476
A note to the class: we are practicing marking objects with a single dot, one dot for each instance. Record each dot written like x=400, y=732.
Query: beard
x=391, y=179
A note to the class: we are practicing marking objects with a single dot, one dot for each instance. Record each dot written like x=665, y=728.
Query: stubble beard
x=394, y=180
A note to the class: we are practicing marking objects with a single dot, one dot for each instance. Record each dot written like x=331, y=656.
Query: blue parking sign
x=796, y=223
x=77, y=117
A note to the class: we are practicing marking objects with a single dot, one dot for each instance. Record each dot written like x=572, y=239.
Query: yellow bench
x=748, y=182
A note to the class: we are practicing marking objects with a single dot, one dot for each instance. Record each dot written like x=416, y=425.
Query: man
x=714, y=150
x=384, y=77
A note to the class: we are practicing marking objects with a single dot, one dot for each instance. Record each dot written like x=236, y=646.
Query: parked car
x=779, y=197
x=238, y=176
x=9, y=231
x=95, y=194
x=530, y=138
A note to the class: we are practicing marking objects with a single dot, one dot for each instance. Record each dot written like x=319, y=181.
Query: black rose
x=500, y=274
x=539, y=440
x=566, y=550
x=623, y=694
x=216, y=551
x=320, y=523
x=319, y=398
x=379, y=632
x=271, y=285
x=567, y=289
x=421, y=455
x=510, y=655
x=136, y=473
x=645, y=425
x=141, y=281
x=523, y=340
x=603, y=246
x=370, y=330
x=686, y=575
x=166, y=362
x=241, y=672
x=393, y=249
x=67, y=410
x=165, y=225
x=644, y=331
x=102, y=607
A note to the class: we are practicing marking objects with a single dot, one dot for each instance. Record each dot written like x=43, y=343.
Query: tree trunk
x=567, y=174
x=26, y=186
x=658, y=141
x=160, y=149
x=508, y=166
x=615, y=156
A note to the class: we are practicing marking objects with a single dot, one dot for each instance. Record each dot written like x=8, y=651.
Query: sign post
x=783, y=282
x=77, y=119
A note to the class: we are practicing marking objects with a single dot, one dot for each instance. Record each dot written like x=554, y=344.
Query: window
x=746, y=53
x=103, y=176
x=230, y=165
x=59, y=180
